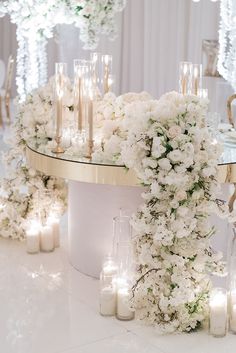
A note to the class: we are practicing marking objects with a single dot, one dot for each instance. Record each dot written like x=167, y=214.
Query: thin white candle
x=218, y=312
x=90, y=116
x=46, y=239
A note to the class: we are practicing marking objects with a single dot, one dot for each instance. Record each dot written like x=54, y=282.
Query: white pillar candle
x=123, y=310
x=46, y=239
x=233, y=311
x=55, y=224
x=108, y=301
x=218, y=312
x=32, y=240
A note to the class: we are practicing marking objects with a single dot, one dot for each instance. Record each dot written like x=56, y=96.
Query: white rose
x=174, y=131
x=157, y=148
x=182, y=211
x=164, y=163
x=181, y=195
x=176, y=156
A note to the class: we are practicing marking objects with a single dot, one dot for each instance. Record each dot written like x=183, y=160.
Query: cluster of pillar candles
x=190, y=79
x=43, y=237
x=222, y=311
x=116, y=274
x=92, y=79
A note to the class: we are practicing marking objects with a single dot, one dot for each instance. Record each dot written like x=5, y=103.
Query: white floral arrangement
x=26, y=193
x=166, y=143
x=35, y=21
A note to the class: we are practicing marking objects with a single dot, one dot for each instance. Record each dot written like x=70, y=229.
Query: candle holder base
x=47, y=251
x=32, y=252
x=58, y=149
x=125, y=318
x=90, y=150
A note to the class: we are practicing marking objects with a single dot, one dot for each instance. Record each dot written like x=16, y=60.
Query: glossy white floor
x=46, y=306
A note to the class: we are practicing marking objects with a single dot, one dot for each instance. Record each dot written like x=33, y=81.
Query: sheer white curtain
x=153, y=36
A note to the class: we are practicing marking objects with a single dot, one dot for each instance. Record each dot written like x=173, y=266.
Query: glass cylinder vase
x=185, y=77
x=59, y=92
x=106, y=71
x=108, y=298
x=196, y=79
x=232, y=281
x=218, y=312
x=122, y=245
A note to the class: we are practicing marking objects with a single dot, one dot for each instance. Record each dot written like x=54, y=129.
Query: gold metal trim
x=227, y=173
x=101, y=174
x=229, y=109
x=83, y=172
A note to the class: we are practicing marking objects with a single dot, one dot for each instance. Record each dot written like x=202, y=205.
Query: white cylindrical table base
x=91, y=208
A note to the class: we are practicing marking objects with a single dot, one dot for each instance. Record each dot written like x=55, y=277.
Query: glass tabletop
x=45, y=150
x=228, y=156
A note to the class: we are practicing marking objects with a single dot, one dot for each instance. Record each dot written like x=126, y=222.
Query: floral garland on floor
x=169, y=148
x=35, y=21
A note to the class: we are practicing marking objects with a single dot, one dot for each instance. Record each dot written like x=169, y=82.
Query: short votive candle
x=218, y=312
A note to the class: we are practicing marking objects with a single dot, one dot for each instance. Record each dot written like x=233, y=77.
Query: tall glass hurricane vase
x=60, y=87
x=232, y=281
x=185, y=77
x=122, y=243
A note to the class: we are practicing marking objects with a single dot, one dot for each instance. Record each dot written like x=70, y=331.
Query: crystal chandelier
x=227, y=42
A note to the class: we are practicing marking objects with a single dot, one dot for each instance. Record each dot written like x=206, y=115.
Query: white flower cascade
x=26, y=193
x=169, y=148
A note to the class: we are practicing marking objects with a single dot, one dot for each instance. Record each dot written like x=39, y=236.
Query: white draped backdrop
x=153, y=36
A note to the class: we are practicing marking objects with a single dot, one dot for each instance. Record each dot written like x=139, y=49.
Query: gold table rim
x=101, y=173
x=81, y=171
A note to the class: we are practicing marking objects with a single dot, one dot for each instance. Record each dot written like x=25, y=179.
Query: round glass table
x=96, y=194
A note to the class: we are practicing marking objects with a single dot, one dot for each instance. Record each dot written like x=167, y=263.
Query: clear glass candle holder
x=123, y=286
x=203, y=93
x=108, y=298
x=106, y=71
x=96, y=68
x=232, y=278
x=185, y=77
x=59, y=92
x=122, y=245
x=196, y=79
x=218, y=319
x=80, y=72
